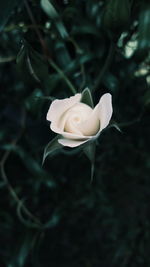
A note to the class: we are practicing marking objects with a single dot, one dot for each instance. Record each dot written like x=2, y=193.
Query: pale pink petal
x=79, y=113
x=92, y=125
x=67, y=125
x=55, y=129
x=105, y=110
x=61, y=131
x=71, y=143
x=61, y=115
x=58, y=107
x=75, y=136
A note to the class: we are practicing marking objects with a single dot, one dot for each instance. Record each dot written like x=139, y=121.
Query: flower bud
x=76, y=122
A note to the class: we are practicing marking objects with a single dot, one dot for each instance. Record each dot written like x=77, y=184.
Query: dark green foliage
x=6, y=8
x=87, y=97
x=144, y=32
x=52, y=147
x=116, y=19
x=54, y=215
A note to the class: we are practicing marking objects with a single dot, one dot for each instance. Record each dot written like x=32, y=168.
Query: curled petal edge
x=71, y=143
x=104, y=108
x=59, y=106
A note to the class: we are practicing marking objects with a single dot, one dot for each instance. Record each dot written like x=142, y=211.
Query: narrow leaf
x=51, y=148
x=89, y=151
x=53, y=221
x=87, y=97
x=21, y=250
x=29, y=60
x=115, y=125
x=53, y=14
x=6, y=8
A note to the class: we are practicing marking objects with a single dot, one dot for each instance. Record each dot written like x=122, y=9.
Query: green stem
x=106, y=65
x=62, y=74
x=5, y=178
x=46, y=51
x=7, y=59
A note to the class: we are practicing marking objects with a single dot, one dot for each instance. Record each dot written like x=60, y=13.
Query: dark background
x=53, y=215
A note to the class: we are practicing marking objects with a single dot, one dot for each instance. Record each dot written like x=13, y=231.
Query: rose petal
x=75, y=116
x=55, y=129
x=58, y=107
x=102, y=112
x=91, y=126
x=59, y=130
x=105, y=110
x=71, y=143
x=76, y=134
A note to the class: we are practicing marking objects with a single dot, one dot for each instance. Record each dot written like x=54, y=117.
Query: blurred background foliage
x=53, y=215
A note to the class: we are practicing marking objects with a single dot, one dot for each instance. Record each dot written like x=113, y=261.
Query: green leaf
x=146, y=98
x=53, y=221
x=111, y=82
x=62, y=54
x=51, y=82
x=29, y=60
x=6, y=8
x=87, y=97
x=116, y=17
x=116, y=126
x=144, y=33
x=53, y=14
x=89, y=151
x=22, y=250
x=31, y=164
x=85, y=29
x=52, y=147
x=33, y=102
x=2, y=184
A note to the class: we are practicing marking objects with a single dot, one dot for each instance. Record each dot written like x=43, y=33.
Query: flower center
x=80, y=120
x=77, y=119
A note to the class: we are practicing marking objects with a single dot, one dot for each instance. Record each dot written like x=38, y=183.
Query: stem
x=6, y=181
x=62, y=74
x=106, y=65
x=7, y=59
x=44, y=47
x=129, y=123
x=46, y=50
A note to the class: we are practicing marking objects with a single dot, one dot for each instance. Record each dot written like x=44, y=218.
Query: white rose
x=76, y=122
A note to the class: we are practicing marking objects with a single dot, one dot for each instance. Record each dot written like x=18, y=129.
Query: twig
x=136, y=120
x=5, y=178
x=43, y=45
x=106, y=66
x=62, y=74
x=7, y=59
x=46, y=50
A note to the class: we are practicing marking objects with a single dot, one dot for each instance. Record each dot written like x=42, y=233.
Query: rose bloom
x=76, y=122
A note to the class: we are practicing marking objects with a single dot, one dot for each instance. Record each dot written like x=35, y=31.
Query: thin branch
x=43, y=45
x=106, y=65
x=129, y=123
x=46, y=50
x=5, y=178
x=62, y=74
x=82, y=86
x=7, y=59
